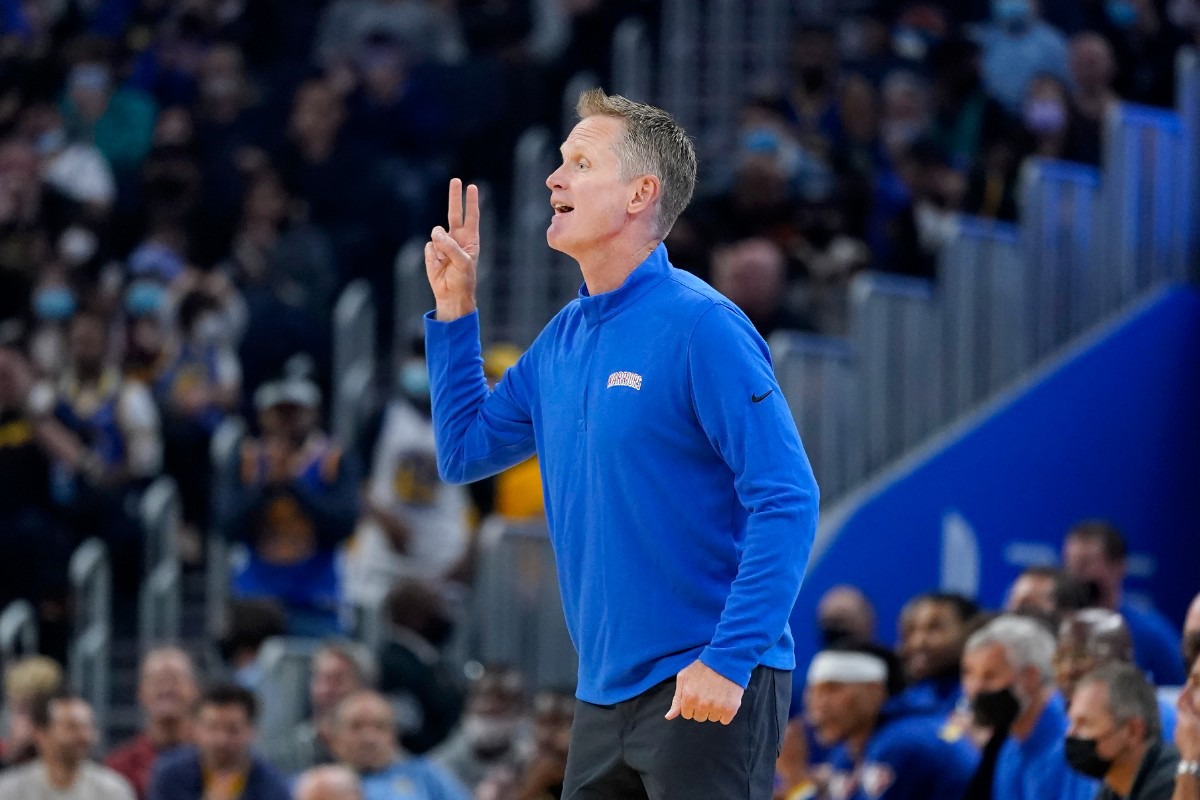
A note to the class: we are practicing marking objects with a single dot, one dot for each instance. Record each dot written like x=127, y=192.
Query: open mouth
x=562, y=208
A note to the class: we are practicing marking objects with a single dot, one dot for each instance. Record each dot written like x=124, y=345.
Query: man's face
x=364, y=735
x=1073, y=658
x=333, y=678
x=931, y=640
x=71, y=733
x=224, y=734
x=1090, y=718
x=591, y=201
x=1031, y=593
x=167, y=690
x=1084, y=558
x=1191, y=633
x=87, y=342
x=837, y=711
x=986, y=669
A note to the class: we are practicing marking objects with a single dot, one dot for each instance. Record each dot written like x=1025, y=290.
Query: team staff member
x=680, y=502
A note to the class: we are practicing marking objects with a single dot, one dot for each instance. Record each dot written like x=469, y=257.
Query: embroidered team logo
x=630, y=379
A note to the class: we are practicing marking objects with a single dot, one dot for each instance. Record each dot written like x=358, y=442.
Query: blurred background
x=969, y=230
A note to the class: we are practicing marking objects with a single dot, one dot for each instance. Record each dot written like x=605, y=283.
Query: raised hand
x=451, y=255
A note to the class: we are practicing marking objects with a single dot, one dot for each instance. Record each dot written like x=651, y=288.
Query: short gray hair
x=653, y=144
x=330, y=777
x=1130, y=695
x=1026, y=643
x=357, y=655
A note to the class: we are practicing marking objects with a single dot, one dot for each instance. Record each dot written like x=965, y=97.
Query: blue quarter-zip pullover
x=680, y=502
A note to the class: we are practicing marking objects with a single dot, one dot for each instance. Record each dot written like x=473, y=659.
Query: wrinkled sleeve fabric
x=743, y=413
x=477, y=432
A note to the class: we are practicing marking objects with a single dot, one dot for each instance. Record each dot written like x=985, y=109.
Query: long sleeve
x=746, y=418
x=478, y=432
x=333, y=507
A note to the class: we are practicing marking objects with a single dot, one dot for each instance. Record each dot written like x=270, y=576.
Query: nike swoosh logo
x=758, y=398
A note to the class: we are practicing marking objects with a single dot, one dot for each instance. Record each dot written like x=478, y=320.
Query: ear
x=646, y=191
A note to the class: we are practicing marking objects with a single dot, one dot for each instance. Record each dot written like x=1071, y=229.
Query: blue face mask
x=414, y=380
x=54, y=303
x=144, y=298
x=1121, y=13
x=1013, y=14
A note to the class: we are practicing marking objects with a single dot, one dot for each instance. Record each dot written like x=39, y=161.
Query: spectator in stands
x=36, y=545
x=814, y=65
x=364, y=738
x=198, y=382
x=1095, y=552
x=1048, y=592
x=845, y=613
x=418, y=624
x=1145, y=42
x=348, y=24
x=907, y=113
x=293, y=499
x=25, y=680
x=752, y=273
x=933, y=629
x=1017, y=46
x=882, y=750
x=1008, y=678
x=119, y=121
x=964, y=115
x=414, y=524
x=1187, y=737
x=1191, y=633
x=222, y=763
x=331, y=782
x=250, y=622
x=65, y=734
x=488, y=733
x=167, y=693
x=1052, y=126
x=338, y=670
x=541, y=768
x=1094, y=638
x=1114, y=735
x=1093, y=73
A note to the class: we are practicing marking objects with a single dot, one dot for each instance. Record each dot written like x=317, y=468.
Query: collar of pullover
x=647, y=275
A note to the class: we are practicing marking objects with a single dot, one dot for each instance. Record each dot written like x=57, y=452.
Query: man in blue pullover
x=680, y=502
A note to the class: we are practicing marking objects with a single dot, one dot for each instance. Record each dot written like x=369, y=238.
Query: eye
x=581, y=164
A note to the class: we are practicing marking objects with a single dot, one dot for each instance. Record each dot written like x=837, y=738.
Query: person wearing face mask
x=1008, y=680
x=1017, y=46
x=882, y=750
x=413, y=523
x=1114, y=735
x=1093, y=638
x=292, y=498
x=411, y=666
x=488, y=732
x=1095, y=552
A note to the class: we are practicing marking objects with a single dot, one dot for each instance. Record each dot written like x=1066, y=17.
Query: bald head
x=846, y=611
x=1087, y=640
x=332, y=782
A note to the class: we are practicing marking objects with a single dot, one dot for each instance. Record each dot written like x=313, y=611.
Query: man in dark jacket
x=222, y=764
x=1115, y=735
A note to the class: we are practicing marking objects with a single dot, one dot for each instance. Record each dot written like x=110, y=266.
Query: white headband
x=840, y=666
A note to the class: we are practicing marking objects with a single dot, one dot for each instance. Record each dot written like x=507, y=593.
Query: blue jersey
x=412, y=779
x=906, y=758
x=191, y=365
x=680, y=502
x=936, y=696
x=1156, y=644
x=1036, y=769
x=96, y=420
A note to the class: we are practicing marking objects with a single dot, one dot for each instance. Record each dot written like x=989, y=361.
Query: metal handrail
x=90, y=650
x=353, y=346
x=161, y=599
x=18, y=630
x=221, y=453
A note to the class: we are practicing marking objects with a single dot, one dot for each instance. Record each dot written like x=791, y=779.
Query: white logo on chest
x=630, y=379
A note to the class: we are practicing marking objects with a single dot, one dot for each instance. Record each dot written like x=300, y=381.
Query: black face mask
x=997, y=709
x=834, y=634
x=1082, y=757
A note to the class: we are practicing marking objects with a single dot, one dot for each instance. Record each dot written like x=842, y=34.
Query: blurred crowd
x=187, y=185
x=1071, y=689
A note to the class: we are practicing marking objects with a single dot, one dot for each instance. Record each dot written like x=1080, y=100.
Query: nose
x=554, y=180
